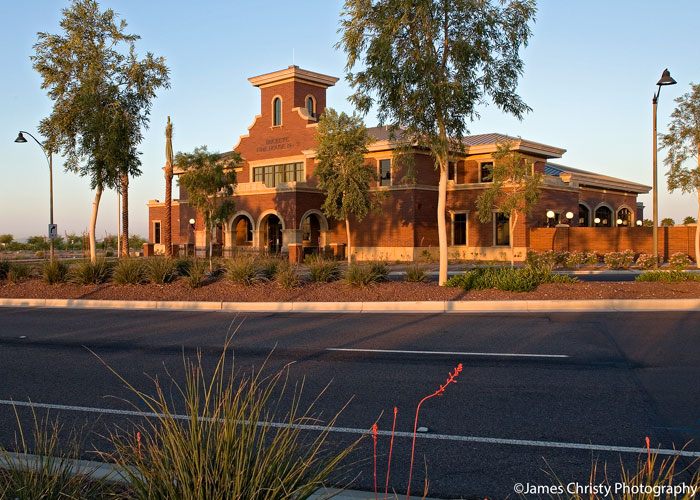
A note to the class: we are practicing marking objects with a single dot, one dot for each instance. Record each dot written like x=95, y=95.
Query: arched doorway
x=272, y=231
x=603, y=217
x=584, y=215
x=311, y=234
x=624, y=217
x=242, y=228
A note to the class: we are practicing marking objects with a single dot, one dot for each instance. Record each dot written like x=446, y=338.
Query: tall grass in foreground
x=45, y=470
x=234, y=442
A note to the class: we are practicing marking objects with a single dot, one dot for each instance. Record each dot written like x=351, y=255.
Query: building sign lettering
x=277, y=144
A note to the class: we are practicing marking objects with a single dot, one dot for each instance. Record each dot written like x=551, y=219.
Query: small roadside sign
x=53, y=231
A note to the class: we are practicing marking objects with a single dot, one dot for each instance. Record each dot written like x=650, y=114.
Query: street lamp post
x=49, y=159
x=665, y=80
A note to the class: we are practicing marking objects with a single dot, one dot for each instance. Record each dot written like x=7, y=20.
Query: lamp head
x=596, y=220
x=619, y=222
x=666, y=79
x=550, y=214
x=639, y=223
x=191, y=221
x=569, y=215
x=20, y=138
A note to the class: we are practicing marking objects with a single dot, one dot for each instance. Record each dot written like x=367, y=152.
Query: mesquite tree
x=427, y=64
x=102, y=95
x=515, y=190
x=683, y=143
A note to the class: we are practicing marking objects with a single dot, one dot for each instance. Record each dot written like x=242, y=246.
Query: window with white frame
x=156, y=232
x=385, y=172
x=459, y=228
x=274, y=175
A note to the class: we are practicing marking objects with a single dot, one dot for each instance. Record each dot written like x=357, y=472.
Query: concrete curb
x=438, y=306
x=110, y=472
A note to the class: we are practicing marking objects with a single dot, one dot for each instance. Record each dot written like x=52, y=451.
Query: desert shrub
x=645, y=261
x=416, y=274
x=243, y=271
x=674, y=276
x=545, y=260
x=323, y=270
x=196, y=273
x=4, y=268
x=49, y=469
x=268, y=267
x=361, y=275
x=679, y=261
x=287, y=275
x=619, y=260
x=575, y=259
x=54, y=272
x=229, y=444
x=380, y=269
x=182, y=265
x=40, y=254
x=426, y=256
x=523, y=279
x=17, y=272
x=109, y=253
x=89, y=273
x=160, y=270
x=129, y=272
x=592, y=258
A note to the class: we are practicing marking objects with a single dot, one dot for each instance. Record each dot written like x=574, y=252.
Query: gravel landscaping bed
x=339, y=291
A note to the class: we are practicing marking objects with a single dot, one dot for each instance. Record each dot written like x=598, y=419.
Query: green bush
x=645, y=261
x=524, y=279
x=196, y=273
x=668, y=276
x=87, y=273
x=268, y=267
x=182, y=265
x=679, y=261
x=547, y=259
x=575, y=259
x=230, y=444
x=54, y=272
x=4, y=268
x=17, y=272
x=592, y=258
x=380, y=269
x=287, y=275
x=323, y=270
x=363, y=274
x=243, y=271
x=416, y=274
x=619, y=260
x=129, y=271
x=160, y=270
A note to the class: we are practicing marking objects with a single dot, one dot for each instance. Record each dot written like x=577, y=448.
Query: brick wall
x=613, y=239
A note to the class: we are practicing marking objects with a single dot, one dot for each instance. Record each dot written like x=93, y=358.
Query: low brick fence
x=613, y=239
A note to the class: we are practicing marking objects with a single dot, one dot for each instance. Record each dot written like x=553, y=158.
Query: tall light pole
x=49, y=159
x=665, y=80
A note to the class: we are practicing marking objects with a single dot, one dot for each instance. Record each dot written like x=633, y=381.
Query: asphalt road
x=538, y=392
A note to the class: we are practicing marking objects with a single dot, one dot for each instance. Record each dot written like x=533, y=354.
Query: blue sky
x=590, y=72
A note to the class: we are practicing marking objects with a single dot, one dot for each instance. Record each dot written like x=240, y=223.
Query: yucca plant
x=182, y=265
x=46, y=470
x=287, y=276
x=17, y=272
x=160, y=270
x=233, y=442
x=196, y=273
x=324, y=270
x=268, y=267
x=361, y=275
x=129, y=271
x=243, y=271
x=416, y=274
x=89, y=273
x=54, y=272
x=379, y=269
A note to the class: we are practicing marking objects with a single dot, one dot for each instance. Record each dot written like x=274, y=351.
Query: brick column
x=296, y=253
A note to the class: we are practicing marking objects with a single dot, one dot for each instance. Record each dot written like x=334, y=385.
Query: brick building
x=278, y=202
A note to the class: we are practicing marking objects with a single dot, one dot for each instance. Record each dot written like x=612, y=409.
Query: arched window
x=603, y=217
x=310, y=106
x=277, y=112
x=584, y=216
x=243, y=229
x=624, y=217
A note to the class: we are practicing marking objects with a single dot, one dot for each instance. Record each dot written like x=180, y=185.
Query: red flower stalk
x=374, y=438
x=391, y=447
x=452, y=379
x=138, y=443
x=648, y=455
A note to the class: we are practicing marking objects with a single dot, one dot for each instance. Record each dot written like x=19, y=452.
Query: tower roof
x=293, y=74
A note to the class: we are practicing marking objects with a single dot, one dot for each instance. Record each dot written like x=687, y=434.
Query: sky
x=591, y=69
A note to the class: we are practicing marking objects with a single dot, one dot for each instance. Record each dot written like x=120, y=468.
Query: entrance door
x=274, y=234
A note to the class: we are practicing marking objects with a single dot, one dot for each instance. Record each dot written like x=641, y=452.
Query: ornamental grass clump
x=46, y=469
x=160, y=270
x=679, y=261
x=287, y=276
x=129, y=271
x=17, y=272
x=90, y=273
x=323, y=270
x=54, y=272
x=268, y=267
x=380, y=270
x=229, y=438
x=182, y=266
x=196, y=273
x=416, y=274
x=243, y=271
x=360, y=275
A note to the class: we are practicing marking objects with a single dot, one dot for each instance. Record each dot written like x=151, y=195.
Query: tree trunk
x=513, y=220
x=442, y=227
x=697, y=235
x=211, y=245
x=125, y=215
x=347, y=230
x=168, y=209
x=93, y=223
